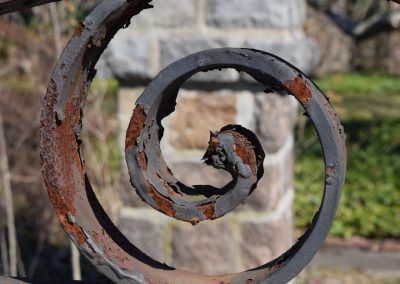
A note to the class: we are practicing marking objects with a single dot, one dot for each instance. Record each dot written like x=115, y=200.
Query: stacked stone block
x=261, y=228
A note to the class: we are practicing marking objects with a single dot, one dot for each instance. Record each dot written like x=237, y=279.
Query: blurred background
x=351, y=49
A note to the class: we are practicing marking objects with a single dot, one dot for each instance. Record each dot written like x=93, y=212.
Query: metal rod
x=7, y=280
x=7, y=6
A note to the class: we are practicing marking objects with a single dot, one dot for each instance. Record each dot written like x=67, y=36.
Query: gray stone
x=191, y=173
x=256, y=13
x=264, y=241
x=144, y=234
x=391, y=61
x=128, y=59
x=206, y=248
x=127, y=192
x=336, y=48
x=168, y=14
x=269, y=191
x=177, y=48
x=197, y=113
x=302, y=53
x=103, y=70
x=275, y=120
x=288, y=167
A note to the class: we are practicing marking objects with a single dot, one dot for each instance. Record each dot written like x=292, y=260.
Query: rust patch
x=245, y=150
x=79, y=30
x=214, y=142
x=110, y=251
x=163, y=204
x=59, y=180
x=300, y=89
x=76, y=231
x=142, y=160
x=64, y=208
x=208, y=211
x=135, y=126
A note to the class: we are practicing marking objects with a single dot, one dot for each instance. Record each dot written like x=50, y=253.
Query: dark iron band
x=8, y=280
x=234, y=149
x=64, y=169
x=18, y=5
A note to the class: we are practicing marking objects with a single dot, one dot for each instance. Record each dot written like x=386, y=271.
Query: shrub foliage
x=370, y=205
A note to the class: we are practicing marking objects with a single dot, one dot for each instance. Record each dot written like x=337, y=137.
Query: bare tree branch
x=56, y=28
x=4, y=252
x=9, y=6
x=370, y=27
x=363, y=29
x=76, y=262
x=38, y=251
x=6, y=184
x=20, y=263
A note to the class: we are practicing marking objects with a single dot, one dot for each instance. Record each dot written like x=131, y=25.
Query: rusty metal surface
x=18, y=5
x=233, y=149
x=64, y=169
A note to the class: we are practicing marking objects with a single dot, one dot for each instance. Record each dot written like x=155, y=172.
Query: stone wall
x=260, y=229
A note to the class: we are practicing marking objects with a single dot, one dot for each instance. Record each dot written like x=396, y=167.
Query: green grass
x=18, y=84
x=360, y=84
x=361, y=96
x=110, y=87
x=370, y=205
x=343, y=275
x=109, y=109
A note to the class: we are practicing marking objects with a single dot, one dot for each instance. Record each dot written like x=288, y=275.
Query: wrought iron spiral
x=233, y=148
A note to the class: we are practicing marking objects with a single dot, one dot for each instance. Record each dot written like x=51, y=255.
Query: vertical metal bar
x=9, y=6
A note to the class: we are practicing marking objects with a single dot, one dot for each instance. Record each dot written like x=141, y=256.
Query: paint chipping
x=330, y=174
x=208, y=210
x=142, y=160
x=71, y=219
x=245, y=150
x=79, y=30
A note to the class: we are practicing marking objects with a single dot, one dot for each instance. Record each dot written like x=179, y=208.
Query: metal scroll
x=233, y=148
